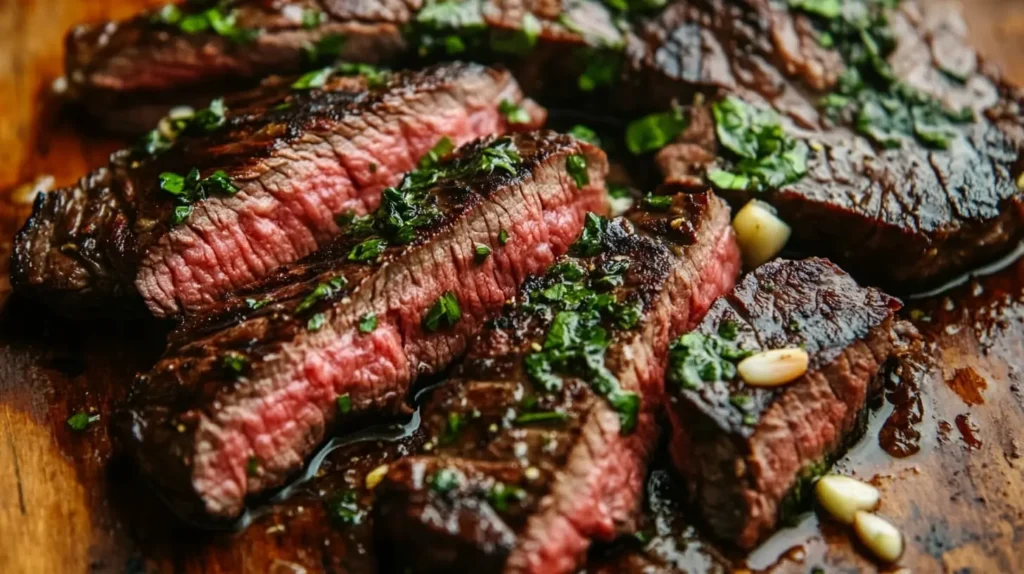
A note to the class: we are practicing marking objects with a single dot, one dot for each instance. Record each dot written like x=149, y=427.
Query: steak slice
x=295, y=159
x=244, y=394
x=129, y=73
x=906, y=218
x=749, y=453
x=540, y=442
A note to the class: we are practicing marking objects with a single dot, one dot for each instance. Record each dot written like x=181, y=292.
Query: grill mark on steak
x=326, y=152
x=929, y=214
x=586, y=476
x=741, y=462
x=194, y=428
x=139, y=69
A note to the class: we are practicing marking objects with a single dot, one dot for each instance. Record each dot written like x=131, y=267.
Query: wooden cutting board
x=66, y=507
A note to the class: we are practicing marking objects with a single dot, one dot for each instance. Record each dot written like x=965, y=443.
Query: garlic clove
x=774, y=368
x=842, y=496
x=879, y=536
x=760, y=233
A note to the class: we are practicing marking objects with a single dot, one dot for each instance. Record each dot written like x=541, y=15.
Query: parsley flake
x=576, y=165
x=368, y=323
x=444, y=313
x=81, y=421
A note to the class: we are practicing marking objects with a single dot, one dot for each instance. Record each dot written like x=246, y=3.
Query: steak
x=906, y=213
x=541, y=440
x=258, y=186
x=129, y=73
x=749, y=453
x=245, y=393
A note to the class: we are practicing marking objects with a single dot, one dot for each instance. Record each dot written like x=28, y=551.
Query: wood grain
x=65, y=506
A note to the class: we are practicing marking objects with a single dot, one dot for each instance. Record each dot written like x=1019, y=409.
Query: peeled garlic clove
x=842, y=496
x=759, y=232
x=773, y=368
x=376, y=475
x=878, y=535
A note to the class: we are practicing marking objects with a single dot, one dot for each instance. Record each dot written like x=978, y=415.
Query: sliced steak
x=906, y=218
x=295, y=160
x=542, y=437
x=243, y=396
x=748, y=452
x=129, y=73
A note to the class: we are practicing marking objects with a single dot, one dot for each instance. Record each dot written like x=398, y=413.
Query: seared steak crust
x=906, y=218
x=743, y=456
x=298, y=158
x=532, y=495
x=244, y=394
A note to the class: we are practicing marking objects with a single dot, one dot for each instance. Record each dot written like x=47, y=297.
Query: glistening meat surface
x=749, y=452
x=244, y=395
x=271, y=175
x=540, y=441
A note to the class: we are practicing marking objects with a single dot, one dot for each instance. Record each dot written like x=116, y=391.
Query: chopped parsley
x=514, y=114
x=344, y=404
x=316, y=322
x=223, y=24
x=635, y=6
x=252, y=466
x=234, y=362
x=442, y=149
x=311, y=18
x=343, y=509
x=174, y=125
x=444, y=313
x=482, y=252
x=445, y=480
x=654, y=131
x=590, y=241
x=500, y=495
x=695, y=358
x=541, y=417
x=765, y=157
x=375, y=77
x=657, y=202
x=81, y=421
x=453, y=427
x=368, y=250
x=449, y=27
x=601, y=68
x=585, y=134
x=320, y=292
x=368, y=323
x=868, y=95
x=191, y=188
x=576, y=165
x=502, y=236
x=583, y=316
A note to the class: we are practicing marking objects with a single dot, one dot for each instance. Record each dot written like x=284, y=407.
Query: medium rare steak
x=909, y=169
x=244, y=394
x=129, y=73
x=189, y=217
x=540, y=441
x=748, y=452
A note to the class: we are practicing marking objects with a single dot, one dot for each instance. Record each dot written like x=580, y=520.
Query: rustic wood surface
x=66, y=507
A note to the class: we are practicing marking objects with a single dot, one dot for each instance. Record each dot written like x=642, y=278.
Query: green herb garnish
x=344, y=404
x=320, y=292
x=765, y=156
x=368, y=250
x=191, y=188
x=235, y=362
x=444, y=313
x=695, y=358
x=222, y=24
x=255, y=304
x=343, y=509
x=543, y=417
x=445, y=480
x=576, y=165
x=452, y=429
x=316, y=322
x=81, y=421
x=657, y=202
x=368, y=323
x=252, y=466
x=514, y=114
x=585, y=134
x=482, y=252
x=442, y=149
x=590, y=241
x=502, y=236
x=654, y=131
x=500, y=495
x=519, y=42
x=325, y=50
